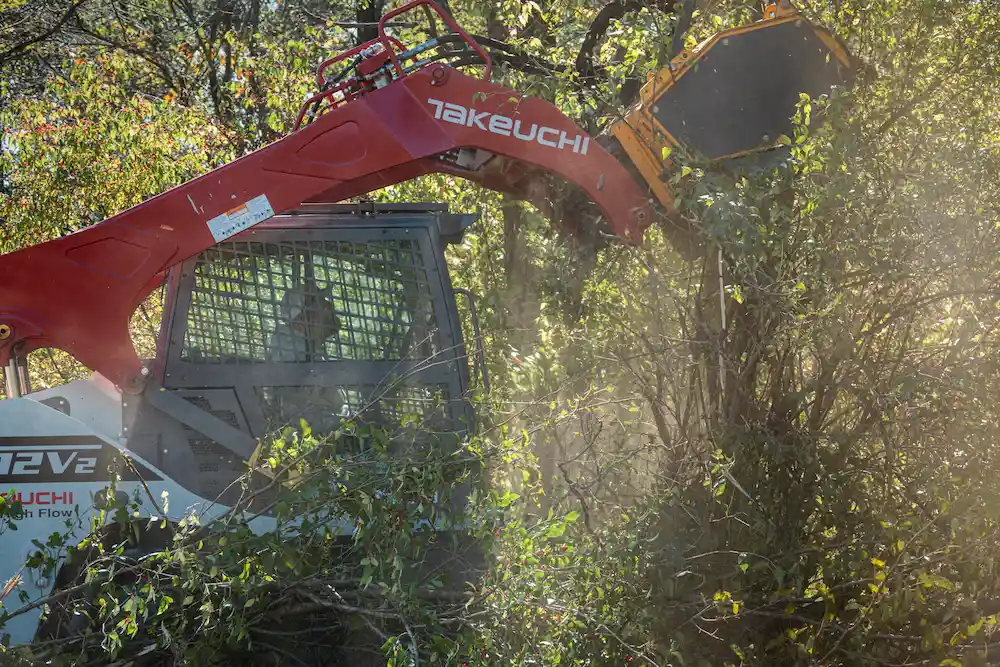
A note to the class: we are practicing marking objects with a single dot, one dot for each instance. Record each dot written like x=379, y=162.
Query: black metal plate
x=741, y=91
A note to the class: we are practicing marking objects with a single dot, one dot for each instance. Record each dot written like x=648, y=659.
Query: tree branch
x=10, y=53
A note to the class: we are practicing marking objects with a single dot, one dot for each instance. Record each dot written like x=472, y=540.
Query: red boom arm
x=78, y=293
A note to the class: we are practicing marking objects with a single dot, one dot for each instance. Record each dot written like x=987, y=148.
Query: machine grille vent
x=310, y=301
x=217, y=466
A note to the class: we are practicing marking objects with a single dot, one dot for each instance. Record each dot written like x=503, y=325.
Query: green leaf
x=928, y=580
x=556, y=529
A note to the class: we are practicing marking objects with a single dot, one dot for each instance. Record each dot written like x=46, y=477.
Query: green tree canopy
x=781, y=452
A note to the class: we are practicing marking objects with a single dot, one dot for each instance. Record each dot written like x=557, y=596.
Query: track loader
x=282, y=302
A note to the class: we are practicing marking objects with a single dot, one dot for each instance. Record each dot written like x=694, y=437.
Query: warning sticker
x=235, y=220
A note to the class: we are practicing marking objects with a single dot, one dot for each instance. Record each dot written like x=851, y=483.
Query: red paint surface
x=78, y=293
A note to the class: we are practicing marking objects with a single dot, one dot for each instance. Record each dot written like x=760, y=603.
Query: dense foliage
x=811, y=479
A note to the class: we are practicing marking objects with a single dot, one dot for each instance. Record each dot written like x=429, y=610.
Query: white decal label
x=505, y=126
x=234, y=221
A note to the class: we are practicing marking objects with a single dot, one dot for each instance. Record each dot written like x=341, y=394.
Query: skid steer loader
x=282, y=302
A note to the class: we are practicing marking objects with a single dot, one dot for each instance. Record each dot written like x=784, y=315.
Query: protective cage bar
x=375, y=63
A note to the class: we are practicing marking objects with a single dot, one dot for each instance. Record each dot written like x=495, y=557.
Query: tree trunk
x=368, y=14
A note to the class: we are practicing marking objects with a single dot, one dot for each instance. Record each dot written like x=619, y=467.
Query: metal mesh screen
x=309, y=301
x=425, y=401
x=286, y=405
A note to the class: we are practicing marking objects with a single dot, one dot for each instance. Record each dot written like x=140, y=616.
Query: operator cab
x=324, y=313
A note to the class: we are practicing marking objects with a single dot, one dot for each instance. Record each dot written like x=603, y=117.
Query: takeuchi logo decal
x=508, y=127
